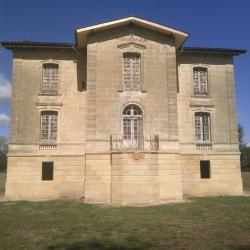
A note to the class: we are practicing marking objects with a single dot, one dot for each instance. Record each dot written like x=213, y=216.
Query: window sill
x=204, y=145
x=200, y=96
x=133, y=90
x=49, y=94
x=47, y=145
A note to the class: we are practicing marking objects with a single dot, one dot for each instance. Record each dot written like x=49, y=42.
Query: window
x=50, y=79
x=49, y=126
x=202, y=127
x=131, y=71
x=200, y=81
x=205, y=169
x=132, y=127
x=47, y=171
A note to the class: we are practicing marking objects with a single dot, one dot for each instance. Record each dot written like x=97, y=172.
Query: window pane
x=127, y=129
x=202, y=127
x=50, y=79
x=200, y=81
x=49, y=126
x=131, y=71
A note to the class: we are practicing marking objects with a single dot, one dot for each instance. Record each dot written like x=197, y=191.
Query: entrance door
x=132, y=128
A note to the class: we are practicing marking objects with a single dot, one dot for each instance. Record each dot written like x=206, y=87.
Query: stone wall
x=24, y=178
x=105, y=95
x=225, y=176
x=133, y=178
x=28, y=102
x=220, y=102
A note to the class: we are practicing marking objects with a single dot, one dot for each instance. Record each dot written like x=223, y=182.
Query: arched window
x=131, y=71
x=133, y=127
x=50, y=79
x=49, y=126
x=200, y=81
x=202, y=127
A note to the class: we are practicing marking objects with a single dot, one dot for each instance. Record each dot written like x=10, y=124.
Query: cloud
x=5, y=88
x=4, y=119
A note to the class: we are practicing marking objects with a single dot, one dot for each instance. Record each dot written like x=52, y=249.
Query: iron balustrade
x=144, y=143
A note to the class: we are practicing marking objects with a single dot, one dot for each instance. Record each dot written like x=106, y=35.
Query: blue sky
x=209, y=23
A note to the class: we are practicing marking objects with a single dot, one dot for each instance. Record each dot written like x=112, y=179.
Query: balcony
x=145, y=143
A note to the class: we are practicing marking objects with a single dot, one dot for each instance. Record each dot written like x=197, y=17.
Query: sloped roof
x=231, y=51
x=82, y=33
x=27, y=43
x=32, y=44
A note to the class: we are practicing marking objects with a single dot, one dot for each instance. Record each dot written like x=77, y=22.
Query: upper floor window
x=202, y=127
x=200, y=81
x=49, y=126
x=50, y=79
x=131, y=71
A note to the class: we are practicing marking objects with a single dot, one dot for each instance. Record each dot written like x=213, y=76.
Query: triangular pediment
x=82, y=33
x=131, y=44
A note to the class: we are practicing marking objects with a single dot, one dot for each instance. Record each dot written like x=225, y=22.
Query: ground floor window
x=47, y=171
x=205, y=169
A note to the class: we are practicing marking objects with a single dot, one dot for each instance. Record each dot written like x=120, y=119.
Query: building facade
x=126, y=115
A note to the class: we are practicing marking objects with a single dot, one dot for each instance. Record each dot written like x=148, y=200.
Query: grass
x=204, y=223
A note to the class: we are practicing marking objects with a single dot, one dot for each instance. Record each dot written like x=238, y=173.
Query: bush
x=3, y=154
x=245, y=158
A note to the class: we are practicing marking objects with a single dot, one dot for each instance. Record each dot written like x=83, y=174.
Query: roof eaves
x=113, y=20
x=232, y=51
x=13, y=44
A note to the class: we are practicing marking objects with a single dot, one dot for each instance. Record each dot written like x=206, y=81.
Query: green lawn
x=204, y=223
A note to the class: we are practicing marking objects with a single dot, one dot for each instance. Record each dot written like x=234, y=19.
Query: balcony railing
x=145, y=143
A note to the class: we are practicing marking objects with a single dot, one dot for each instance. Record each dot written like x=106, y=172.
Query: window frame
x=207, y=81
x=132, y=74
x=48, y=140
x=203, y=114
x=57, y=87
x=135, y=121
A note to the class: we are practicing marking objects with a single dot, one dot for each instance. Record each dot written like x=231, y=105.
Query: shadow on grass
x=100, y=245
x=239, y=247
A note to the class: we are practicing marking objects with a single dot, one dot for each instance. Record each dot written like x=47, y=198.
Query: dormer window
x=200, y=81
x=50, y=79
x=131, y=71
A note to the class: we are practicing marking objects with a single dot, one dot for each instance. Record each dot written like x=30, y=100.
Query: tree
x=3, y=153
x=241, y=135
x=245, y=159
x=244, y=149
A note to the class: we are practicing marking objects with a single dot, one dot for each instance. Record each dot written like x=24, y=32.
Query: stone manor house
x=126, y=115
